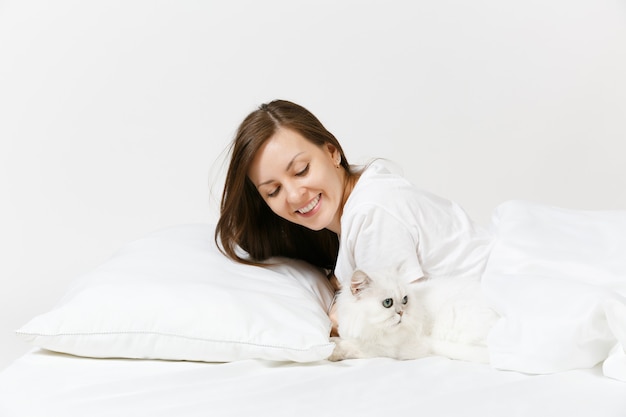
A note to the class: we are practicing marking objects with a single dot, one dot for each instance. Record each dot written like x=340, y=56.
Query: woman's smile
x=311, y=208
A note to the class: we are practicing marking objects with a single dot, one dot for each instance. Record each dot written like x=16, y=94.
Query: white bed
x=168, y=326
x=56, y=385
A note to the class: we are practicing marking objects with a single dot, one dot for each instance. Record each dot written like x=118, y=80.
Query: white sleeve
x=376, y=240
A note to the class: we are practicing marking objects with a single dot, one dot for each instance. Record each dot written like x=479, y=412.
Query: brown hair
x=246, y=221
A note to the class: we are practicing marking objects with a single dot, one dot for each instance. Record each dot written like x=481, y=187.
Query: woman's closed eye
x=300, y=173
x=303, y=172
x=274, y=193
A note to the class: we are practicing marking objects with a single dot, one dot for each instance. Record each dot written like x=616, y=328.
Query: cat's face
x=383, y=300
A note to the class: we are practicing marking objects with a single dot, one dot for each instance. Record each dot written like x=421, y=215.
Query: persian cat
x=381, y=316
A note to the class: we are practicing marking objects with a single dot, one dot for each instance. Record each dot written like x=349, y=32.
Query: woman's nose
x=294, y=195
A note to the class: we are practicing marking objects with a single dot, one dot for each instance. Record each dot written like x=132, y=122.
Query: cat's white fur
x=444, y=317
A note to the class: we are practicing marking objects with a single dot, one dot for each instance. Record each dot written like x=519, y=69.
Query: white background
x=114, y=115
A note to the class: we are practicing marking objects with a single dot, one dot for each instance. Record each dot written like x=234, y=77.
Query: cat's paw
x=344, y=349
x=338, y=352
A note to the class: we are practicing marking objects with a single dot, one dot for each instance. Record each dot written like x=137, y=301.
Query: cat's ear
x=359, y=281
x=420, y=279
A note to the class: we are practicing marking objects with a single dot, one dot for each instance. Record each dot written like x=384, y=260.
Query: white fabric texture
x=43, y=384
x=558, y=279
x=387, y=222
x=173, y=295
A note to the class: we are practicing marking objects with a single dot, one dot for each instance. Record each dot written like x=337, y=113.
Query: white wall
x=112, y=113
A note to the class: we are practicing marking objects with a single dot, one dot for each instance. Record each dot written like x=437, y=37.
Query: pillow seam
x=173, y=336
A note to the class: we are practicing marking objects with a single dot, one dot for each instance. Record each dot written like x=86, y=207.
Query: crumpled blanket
x=557, y=277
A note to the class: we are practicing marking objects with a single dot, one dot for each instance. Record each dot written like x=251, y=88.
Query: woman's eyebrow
x=286, y=169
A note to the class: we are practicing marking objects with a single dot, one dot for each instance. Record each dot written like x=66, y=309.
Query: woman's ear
x=334, y=153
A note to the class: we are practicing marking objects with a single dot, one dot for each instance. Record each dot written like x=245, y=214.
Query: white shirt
x=389, y=224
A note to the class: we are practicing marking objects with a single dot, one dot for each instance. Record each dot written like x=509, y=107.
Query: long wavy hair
x=246, y=221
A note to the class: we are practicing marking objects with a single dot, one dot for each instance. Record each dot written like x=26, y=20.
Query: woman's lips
x=311, y=208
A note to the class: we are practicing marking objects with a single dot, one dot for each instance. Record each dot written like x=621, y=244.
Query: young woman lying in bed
x=410, y=263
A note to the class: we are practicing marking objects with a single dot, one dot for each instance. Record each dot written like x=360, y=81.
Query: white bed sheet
x=48, y=384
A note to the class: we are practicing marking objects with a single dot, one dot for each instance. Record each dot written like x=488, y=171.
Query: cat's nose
x=400, y=313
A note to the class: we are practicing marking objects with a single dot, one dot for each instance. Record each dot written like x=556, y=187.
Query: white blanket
x=558, y=278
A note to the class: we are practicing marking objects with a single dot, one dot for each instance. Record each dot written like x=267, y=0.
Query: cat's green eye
x=405, y=300
x=387, y=302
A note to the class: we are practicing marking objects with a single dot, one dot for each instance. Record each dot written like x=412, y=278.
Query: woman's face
x=299, y=180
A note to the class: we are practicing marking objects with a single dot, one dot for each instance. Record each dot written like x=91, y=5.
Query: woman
x=290, y=192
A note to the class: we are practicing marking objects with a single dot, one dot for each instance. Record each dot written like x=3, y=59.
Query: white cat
x=381, y=316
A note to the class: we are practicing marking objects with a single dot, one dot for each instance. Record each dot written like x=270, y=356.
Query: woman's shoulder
x=380, y=166
x=383, y=181
x=380, y=174
x=382, y=186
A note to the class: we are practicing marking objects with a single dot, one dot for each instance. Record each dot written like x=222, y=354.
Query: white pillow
x=558, y=279
x=173, y=295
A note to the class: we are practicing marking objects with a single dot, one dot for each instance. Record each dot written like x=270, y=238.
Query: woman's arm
x=332, y=312
x=377, y=239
